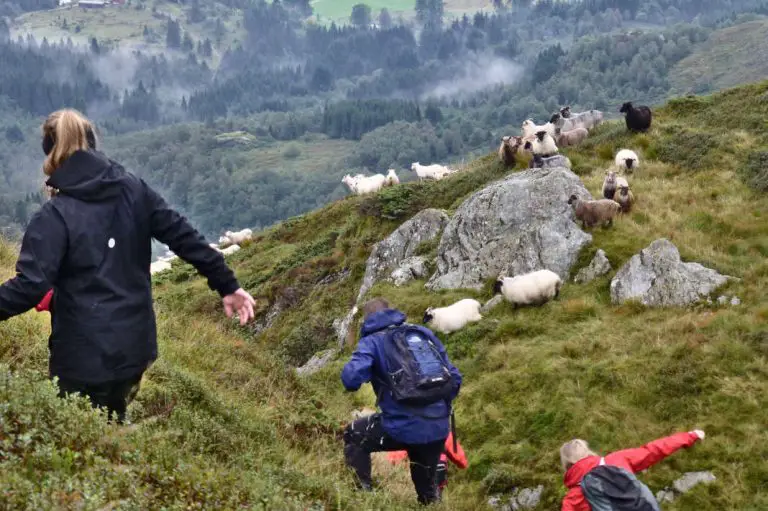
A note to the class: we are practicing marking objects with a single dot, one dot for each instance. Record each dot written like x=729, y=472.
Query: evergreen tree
x=385, y=19
x=361, y=15
x=173, y=35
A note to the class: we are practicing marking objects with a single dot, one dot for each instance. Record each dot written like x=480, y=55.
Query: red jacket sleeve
x=572, y=500
x=640, y=458
x=45, y=303
x=457, y=457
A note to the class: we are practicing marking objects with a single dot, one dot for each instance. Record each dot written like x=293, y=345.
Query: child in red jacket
x=457, y=457
x=578, y=460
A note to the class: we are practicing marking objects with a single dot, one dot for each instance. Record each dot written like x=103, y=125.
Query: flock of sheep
x=227, y=245
x=542, y=141
x=362, y=184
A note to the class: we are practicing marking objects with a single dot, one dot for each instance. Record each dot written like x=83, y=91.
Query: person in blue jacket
x=91, y=244
x=419, y=431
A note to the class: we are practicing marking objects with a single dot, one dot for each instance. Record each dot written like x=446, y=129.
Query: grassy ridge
x=223, y=421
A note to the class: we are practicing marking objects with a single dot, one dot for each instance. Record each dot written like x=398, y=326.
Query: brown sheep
x=572, y=137
x=594, y=212
x=508, y=150
x=625, y=198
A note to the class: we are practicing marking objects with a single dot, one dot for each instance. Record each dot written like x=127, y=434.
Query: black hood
x=88, y=176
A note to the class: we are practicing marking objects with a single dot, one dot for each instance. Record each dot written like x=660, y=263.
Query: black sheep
x=638, y=118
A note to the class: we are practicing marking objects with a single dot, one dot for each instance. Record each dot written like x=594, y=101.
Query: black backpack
x=416, y=372
x=609, y=488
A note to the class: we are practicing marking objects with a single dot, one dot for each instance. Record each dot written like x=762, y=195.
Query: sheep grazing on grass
x=570, y=138
x=361, y=185
x=508, y=150
x=234, y=238
x=638, y=118
x=627, y=161
x=392, y=179
x=230, y=250
x=594, y=212
x=625, y=198
x=530, y=128
x=434, y=171
x=535, y=288
x=587, y=120
x=454, y=317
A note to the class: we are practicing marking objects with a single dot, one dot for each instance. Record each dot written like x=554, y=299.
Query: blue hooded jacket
x=401, y=423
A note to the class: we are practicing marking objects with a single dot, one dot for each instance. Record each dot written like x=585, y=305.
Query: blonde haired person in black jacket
x=91, y=244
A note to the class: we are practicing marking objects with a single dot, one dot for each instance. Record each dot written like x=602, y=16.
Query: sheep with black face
x=453, y=317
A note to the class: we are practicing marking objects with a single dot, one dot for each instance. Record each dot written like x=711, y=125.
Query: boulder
x=684, y=485
x=388, y=254
x=342, y=328
x=597, y=268
x=517, y=225
x=550, y=162
x=317, y=362
x=411, y=268
x=525, y=498
x=657, y=278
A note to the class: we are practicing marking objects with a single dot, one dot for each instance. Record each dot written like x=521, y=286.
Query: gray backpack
x=610, y=488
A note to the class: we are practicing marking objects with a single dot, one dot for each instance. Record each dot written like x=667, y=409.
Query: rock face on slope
x=520, y=224
x=658, y=278
x=599, y=266
x=387, y=255
x=411, y=268
x=684, y=485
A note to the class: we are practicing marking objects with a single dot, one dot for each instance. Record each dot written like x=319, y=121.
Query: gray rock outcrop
x=684, y=485
x=597, y=268
x=525, y=498
x=317, y=362
x=492, y=303
x=388, y=254
x=342, y=327
x=657, y=277
x=520, y=224
x=411, y=268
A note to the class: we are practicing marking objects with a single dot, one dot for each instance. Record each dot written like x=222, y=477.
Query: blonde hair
x=574, y=451
x=69, y=131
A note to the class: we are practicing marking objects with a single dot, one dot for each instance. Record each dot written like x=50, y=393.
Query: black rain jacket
x=91, y=243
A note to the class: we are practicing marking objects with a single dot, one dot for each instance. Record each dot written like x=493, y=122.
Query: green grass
x=729, y=57
x=341, y=9
x=222, y=421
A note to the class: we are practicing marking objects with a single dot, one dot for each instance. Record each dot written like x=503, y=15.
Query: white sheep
x=544, y=144
x=230, y=250
x=535, y=288
x=361, y=185
x=627, y=160
x=434, y=171
x=159, y=267
x=587, y=120
x=392, y=178
x=453, y=317
x=236, y=238
x=530, y=128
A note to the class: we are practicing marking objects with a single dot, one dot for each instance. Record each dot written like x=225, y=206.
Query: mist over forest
x=244, y=112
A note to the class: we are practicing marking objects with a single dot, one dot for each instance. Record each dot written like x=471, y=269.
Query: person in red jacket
x=577, y=460
x=457, y=457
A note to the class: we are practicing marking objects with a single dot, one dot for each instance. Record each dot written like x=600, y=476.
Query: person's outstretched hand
x=699, y=433
x=242, y=303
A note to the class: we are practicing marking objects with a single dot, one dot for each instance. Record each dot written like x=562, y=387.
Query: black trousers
x=365, y=436
x=113, y=396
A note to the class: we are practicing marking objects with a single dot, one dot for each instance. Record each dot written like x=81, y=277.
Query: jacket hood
x=576, y=473
x=381, y=320
x=88, y=176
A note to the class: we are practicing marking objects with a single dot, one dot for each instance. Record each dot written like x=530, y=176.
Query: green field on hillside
x=729, y=57
x=341, y=9
x=222, y=421
x=123, y=24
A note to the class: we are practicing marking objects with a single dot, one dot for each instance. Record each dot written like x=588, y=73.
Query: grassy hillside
x=223, y=422
x=341, y=9
x=730, y=57
x=124, y=24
